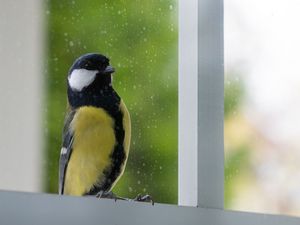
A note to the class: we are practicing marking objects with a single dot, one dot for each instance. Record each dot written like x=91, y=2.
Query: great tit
x=97, y=130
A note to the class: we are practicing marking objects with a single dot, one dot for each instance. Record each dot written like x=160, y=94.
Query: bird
x=97, y=130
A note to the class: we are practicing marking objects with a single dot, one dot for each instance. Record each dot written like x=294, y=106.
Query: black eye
x=87, y=64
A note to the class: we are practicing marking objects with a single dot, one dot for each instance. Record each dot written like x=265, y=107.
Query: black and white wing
x=66, y=150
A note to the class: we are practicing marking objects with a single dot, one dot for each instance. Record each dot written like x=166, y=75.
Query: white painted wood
x=20, y=95
x=25, y=208
x=210, y=104
x=188, y=103
x=201, y=103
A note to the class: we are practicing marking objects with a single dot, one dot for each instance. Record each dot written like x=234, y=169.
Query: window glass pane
x=39, y=41
x=262, y=92
x=140, y=38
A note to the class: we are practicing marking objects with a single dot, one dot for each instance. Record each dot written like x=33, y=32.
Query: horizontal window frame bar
x=30, y=208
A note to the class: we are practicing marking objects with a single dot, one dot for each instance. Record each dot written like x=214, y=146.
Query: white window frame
x=201, y=166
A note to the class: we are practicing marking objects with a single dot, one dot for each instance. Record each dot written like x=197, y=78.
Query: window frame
x=201, y=151
x=201, y=81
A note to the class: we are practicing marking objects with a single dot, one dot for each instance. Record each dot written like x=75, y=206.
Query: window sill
x=30, y=208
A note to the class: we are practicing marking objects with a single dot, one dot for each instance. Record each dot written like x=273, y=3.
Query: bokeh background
x=140, y=38
x=262, y=92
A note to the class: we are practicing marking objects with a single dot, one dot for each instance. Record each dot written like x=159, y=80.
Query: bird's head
x=90, y=70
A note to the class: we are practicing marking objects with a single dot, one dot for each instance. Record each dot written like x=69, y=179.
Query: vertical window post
x=201, y=87
x=21, y=88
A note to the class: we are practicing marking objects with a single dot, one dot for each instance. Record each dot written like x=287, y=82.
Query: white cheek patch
x=81, y=78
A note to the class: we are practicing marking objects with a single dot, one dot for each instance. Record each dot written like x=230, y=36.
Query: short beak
x=109, y=69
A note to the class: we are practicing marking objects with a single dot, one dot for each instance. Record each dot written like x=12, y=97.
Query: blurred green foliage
x=236, y=164
x=233, y=95
x=237, y=157
x=140, y=38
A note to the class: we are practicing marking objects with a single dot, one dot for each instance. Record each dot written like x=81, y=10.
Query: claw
x=145, y=198
x=109, y=195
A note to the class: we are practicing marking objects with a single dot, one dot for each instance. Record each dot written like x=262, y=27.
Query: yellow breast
x=94, y=141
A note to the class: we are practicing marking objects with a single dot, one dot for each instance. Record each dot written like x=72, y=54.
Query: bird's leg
x=145, y=198
x=110, y=195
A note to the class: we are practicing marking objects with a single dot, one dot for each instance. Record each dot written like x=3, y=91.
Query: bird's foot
x=145, y=198
x=109, y=195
